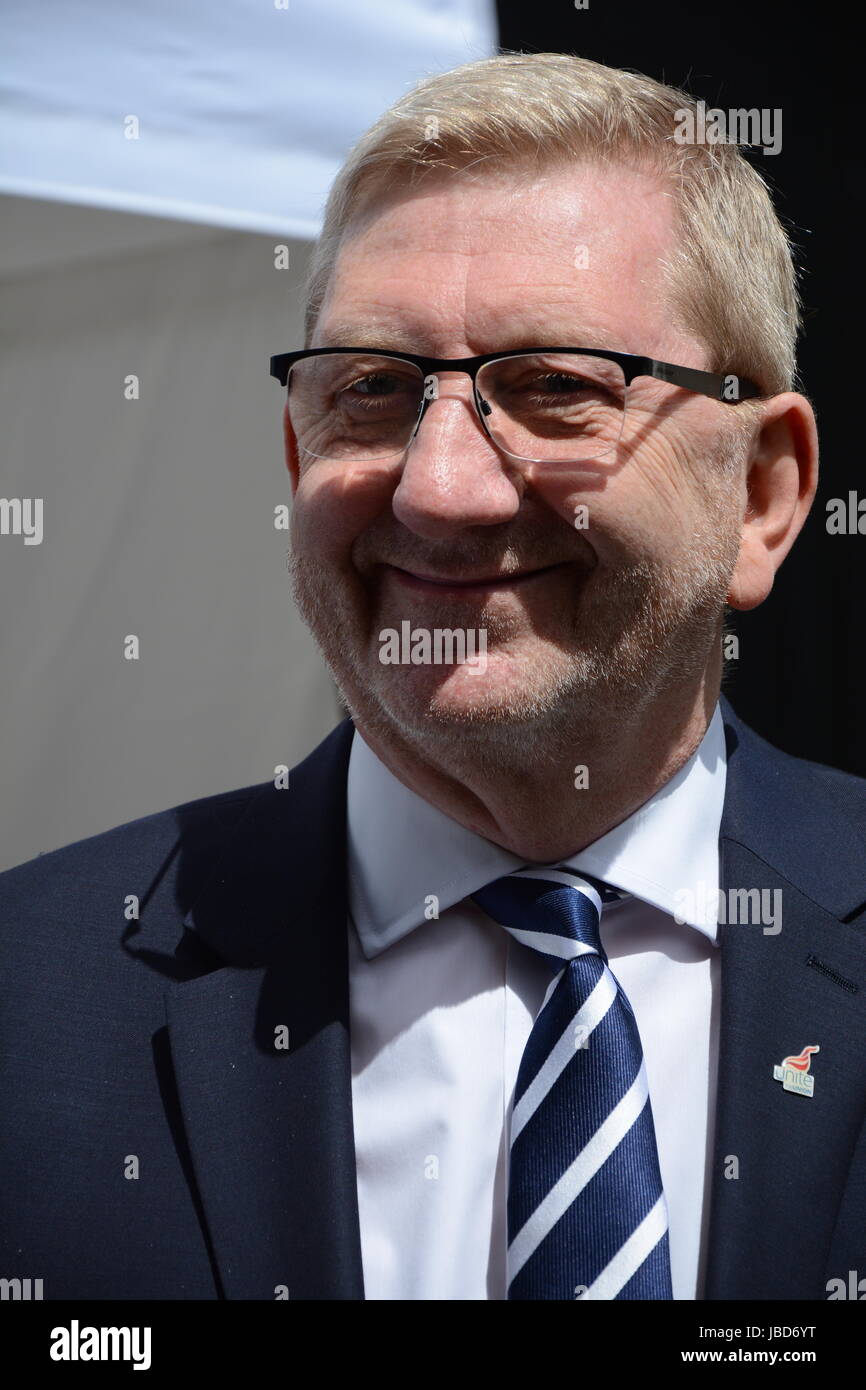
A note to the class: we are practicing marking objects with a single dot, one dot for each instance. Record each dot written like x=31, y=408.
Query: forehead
x=487, y=260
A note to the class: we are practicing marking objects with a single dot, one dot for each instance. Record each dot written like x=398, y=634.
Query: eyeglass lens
x=549, y=406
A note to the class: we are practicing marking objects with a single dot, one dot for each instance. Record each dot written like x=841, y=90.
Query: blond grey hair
x=730, y=278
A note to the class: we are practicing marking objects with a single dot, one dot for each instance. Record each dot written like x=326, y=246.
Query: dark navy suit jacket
x=154, y=1040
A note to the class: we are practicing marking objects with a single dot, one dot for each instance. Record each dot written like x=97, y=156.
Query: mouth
x=472, y=584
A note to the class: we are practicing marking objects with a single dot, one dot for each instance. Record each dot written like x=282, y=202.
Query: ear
x=291, y=446
x=781, y=481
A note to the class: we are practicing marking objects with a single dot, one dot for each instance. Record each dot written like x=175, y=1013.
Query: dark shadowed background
x=799, y=679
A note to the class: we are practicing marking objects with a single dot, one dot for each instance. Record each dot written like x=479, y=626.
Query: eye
x=376, y=384
x=379, y=393
x=556, y=388
x=562, y=383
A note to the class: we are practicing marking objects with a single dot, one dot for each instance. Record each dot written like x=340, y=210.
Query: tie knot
x=554, y=911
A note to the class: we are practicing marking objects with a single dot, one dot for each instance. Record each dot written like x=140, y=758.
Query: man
x=542, y=979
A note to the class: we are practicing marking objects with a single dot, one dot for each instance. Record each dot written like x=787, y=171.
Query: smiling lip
x=494, y=581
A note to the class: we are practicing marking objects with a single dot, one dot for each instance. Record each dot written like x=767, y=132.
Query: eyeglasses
x=563, y=405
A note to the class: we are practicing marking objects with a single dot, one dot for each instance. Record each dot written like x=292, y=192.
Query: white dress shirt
x=441, y=1008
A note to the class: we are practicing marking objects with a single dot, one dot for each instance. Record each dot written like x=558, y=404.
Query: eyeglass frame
x=689, y=378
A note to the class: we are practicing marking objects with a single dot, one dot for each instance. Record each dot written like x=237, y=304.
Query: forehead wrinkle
x=477, y=310
x=548, y=316
x=489, y=325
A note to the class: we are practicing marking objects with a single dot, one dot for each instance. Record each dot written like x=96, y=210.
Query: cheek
x=335, y=503
x=568, y=493
x=676, y=473
x=646, y=509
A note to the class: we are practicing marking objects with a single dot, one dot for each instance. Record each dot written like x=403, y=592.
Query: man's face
x=457, y=535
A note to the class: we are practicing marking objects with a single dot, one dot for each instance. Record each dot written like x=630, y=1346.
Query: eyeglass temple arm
x=729, y=389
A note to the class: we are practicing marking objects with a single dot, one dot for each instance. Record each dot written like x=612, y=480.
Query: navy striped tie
x=587, y=1216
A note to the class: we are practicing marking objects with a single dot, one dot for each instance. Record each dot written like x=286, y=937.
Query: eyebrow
x=370, y=336
x=402, y=340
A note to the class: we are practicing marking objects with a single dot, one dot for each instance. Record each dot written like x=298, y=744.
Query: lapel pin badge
x=794, y=1073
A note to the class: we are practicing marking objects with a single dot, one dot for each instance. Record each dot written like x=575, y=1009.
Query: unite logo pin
x=794, y=1073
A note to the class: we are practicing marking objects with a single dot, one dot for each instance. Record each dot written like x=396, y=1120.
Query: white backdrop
x=158, y=512
x=244, y=107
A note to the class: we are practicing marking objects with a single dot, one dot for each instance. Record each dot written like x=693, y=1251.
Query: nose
x=453, y=476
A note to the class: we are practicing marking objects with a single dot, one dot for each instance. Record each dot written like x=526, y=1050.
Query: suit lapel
x=270, y=1128
x=780, y=1160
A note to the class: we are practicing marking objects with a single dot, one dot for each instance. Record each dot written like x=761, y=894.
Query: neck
x=555, y=792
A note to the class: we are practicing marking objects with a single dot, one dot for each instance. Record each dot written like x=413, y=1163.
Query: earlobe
x=752, y=579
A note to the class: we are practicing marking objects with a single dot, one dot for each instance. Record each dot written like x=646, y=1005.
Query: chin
x=503, y=693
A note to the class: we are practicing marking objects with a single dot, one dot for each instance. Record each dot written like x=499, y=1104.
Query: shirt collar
x=408, y=861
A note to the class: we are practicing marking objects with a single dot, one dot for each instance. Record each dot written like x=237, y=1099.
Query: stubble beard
x=636, y=633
